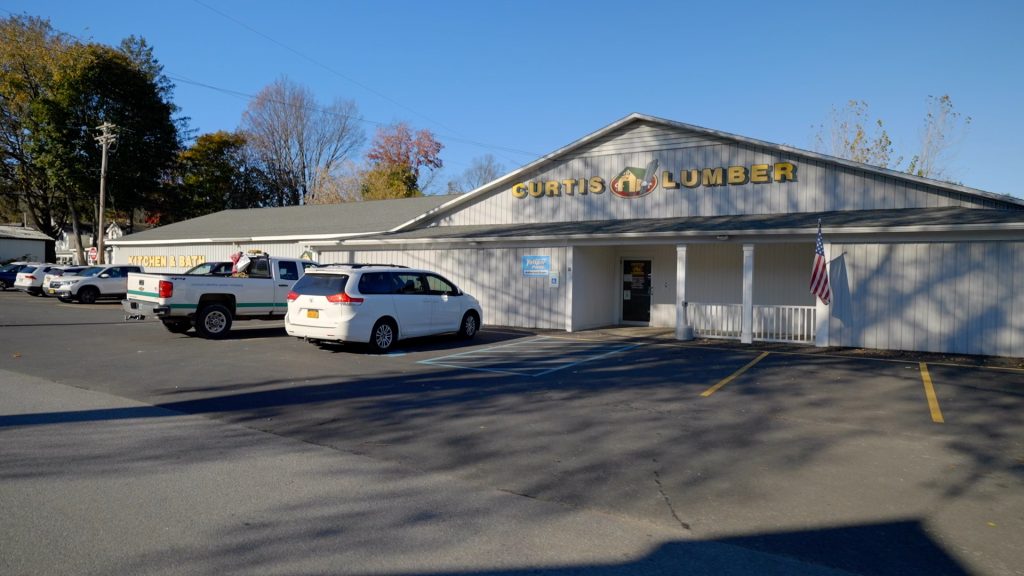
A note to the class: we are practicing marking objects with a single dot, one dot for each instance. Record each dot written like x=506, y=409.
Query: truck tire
x=88, y=295
x=177, y=326
x=3, y=285
x=213, y=321
x=383, y=336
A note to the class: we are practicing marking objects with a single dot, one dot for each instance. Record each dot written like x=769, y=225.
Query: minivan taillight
x=292, y=295
x=343, y=298
x=165, y=289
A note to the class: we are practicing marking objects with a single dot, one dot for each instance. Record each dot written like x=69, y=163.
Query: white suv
x=378, y=305
x=94, y=283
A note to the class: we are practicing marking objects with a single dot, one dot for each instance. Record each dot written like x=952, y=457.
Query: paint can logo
x=636, y=182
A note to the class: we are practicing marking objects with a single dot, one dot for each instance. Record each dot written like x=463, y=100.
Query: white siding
x=211, y=252
x=596, y=281
x=938, y=297
x=493, y=276
x=819, y=186
x=714, y=274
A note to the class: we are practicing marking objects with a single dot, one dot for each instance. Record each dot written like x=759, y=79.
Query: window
x=377, y=283
x=288, y=270
x=321, y=284
x=411, y=283
x=439, y=285
x=260, y=268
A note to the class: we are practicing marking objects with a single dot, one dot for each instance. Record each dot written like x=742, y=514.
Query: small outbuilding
x=24, y=243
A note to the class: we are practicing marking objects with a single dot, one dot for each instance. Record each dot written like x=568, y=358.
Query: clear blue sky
x=519, y=79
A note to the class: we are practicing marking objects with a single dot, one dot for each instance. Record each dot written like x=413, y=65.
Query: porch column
x=823, y=311
x=567, y=286
x=747, y=334
x=683, y=329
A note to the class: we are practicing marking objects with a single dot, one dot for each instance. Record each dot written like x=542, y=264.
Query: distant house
x=22, y=243
x=66, y=244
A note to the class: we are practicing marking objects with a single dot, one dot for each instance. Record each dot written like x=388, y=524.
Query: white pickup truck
x=211, y=303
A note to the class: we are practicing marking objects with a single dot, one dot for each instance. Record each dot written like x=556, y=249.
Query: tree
x=103, y=85
x=943, y=130
x=396, y=158
x=847, y=135
x=850, y=134
x=299, y=144
x=482, y=170
x=345, y=185
x=31, y=57
x=213, y=175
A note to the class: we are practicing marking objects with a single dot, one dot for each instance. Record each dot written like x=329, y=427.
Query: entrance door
x=636, y=290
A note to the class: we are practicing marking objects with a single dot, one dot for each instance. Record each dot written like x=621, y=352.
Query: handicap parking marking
x=544, y=355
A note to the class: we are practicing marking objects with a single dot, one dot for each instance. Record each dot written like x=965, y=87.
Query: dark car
x=9, y=273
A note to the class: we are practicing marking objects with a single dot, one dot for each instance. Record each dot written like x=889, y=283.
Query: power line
x=316, y=62
x=247, y=96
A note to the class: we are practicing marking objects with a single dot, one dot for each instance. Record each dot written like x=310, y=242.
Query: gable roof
x=22, y=233
x=319, y=221
x=561, y=153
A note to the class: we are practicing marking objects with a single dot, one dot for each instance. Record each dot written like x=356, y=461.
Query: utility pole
x=105, y=139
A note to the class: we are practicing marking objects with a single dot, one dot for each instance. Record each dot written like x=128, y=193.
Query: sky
x=521, y=79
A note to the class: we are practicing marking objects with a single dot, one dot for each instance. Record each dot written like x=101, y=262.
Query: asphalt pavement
x=126, y=449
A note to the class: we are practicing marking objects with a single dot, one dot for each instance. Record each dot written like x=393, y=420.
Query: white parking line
x=545, y=354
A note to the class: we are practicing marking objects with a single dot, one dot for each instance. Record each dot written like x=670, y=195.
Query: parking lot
x=840, y=463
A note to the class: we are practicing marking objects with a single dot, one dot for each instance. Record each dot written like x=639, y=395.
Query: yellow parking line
x=929, y=392
x=732, y=376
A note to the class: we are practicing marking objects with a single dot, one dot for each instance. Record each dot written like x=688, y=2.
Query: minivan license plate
x=312, y=313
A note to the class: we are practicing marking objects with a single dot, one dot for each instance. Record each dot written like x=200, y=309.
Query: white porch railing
x=770, y=323
x=715, y=320
x=784, y=324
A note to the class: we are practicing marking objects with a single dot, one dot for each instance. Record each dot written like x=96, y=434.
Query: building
x=659, y=223
x=23, y=243
x=67, y=243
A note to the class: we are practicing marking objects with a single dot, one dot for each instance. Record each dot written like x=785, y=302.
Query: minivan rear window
x=321, y=284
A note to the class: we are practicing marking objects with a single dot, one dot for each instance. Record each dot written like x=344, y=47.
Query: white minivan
x=378, y=305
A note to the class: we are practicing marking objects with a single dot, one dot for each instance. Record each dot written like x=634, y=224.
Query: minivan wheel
x=383, y=336
x=213, y=321
x=470, y=325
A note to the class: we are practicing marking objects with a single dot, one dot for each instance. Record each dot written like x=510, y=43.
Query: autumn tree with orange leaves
x=397, y=156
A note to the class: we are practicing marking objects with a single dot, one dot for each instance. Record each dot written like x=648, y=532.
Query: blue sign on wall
x=539, y=266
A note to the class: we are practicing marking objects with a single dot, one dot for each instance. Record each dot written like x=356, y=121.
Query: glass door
x=636, y=291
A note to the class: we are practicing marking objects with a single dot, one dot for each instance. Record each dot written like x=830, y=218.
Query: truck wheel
x=383, y=336
x=470, y=325
x=213, y=321
x=88, y=295
x=3, y=285
x=177, y=326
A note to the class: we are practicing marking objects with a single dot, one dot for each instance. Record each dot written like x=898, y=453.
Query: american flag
x=819, y=271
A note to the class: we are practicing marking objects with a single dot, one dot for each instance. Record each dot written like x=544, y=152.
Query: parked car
x=9, y=273
x=211, y=269
x=52, y=275
x=378, y=305
x=94, y=283
x=30, y=279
